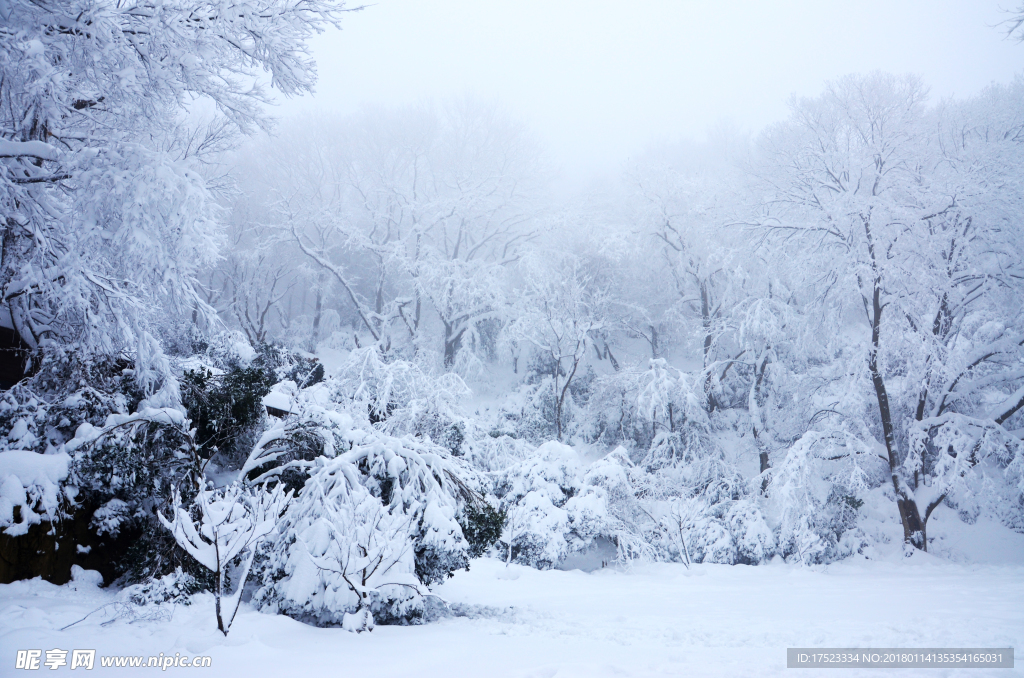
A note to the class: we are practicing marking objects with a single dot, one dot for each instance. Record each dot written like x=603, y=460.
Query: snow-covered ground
x=650, y=620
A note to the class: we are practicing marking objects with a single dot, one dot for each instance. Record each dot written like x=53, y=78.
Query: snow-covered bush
x=223, y=525
x=732, y=532
x=32, y=489
x=813, y=495
x=410, y=492
x=403, y=398
x=176, y=587
x=127, y=470
x=223, y=388
x=121, y=465
x=629, y=525
x=341, y=553
x=494, y=451
x=105, y=490
x=528, y=411
x=550, y=511
x=44, y=411
x=658, y=412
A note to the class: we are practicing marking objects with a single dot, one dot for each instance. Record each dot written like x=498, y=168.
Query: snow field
x=650, y=620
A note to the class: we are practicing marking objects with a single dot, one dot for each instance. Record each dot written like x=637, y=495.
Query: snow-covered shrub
x=288, y=364
x=127, y=469
x=44, y=411
x=528, y=411
x=410, y=492
x=121, y=465
x=32, y=489
x=658, y=412
x=223, y=390
x=176, y=587
x=711, y=542
x=629, y=525
x=227, y=349
x=340, y=553
x=223, y=525
x=551, y=513
x=494, y=451
x=403, y=398
x=813, y=496
x=754, y=539
x=732, y=533
x=728, y=532
x=422, y=482
x=225, y=408
x=111, y=517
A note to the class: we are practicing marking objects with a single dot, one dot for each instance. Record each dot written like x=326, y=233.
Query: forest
x=318, y=366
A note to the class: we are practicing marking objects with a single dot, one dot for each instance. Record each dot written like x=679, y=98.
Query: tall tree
x=559, y=314
x=106, y=214
x=904, y=223
x=410, y=210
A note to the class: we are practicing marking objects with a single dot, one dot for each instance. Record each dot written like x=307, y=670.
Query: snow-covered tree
x=346, y=554
x=107, y=214
x=230, y=523
x=395, y=497
x=558, y=315
x=407, y=211
x=672, y=402
x=550, y=511
x=912, y=227
x=685, y=208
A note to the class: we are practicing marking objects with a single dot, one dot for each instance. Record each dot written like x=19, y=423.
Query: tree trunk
x=558, y=407
x=611, y=358
x=910, y=515
x=757, y=419
x=452, y=344
x=317, y=316
x=705, y=321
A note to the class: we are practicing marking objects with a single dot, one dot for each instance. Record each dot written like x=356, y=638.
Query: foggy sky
x=599, y=81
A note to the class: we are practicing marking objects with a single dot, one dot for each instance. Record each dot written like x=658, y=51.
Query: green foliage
x=433, y=565
x=154, y=553
x=128, y=474
x=853, y=502
x=482, y=525
x=454, y=438
x=176, y=587
x=225, y=409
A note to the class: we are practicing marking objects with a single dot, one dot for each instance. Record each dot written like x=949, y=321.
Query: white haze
x=600, y=81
